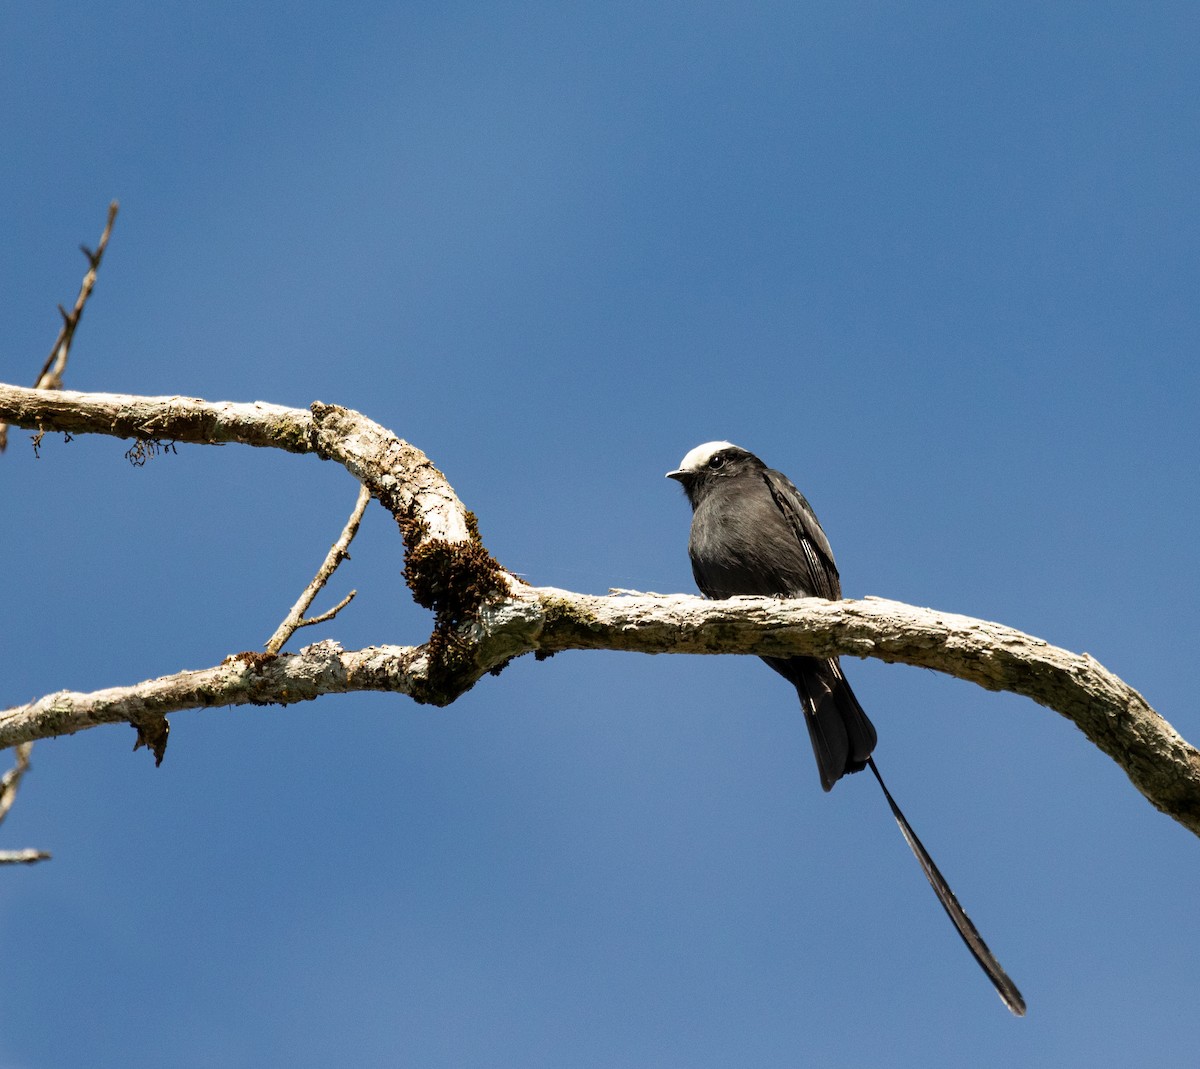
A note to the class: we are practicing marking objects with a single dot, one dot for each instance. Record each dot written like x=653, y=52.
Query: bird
x=754, y=533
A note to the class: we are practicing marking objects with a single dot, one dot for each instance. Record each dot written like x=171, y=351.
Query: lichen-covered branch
x=1164, y=767
x=483, y=616
x=398, y=475
x=1114, y=716
x=242, y=679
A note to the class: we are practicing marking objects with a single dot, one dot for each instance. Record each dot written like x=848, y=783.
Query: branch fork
x=484, y=616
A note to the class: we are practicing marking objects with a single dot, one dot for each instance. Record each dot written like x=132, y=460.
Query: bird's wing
x=803, y=522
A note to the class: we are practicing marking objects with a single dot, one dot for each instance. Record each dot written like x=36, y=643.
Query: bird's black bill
x=970, y=935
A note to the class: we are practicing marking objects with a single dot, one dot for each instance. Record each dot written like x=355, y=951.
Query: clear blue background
x=936, y=261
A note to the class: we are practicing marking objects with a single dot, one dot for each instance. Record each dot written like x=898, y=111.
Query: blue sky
x=937, y=262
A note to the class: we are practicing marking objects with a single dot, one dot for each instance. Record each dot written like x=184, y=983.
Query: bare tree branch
x=328, y=614
x=484, y=616
x=338, y=552
x=9, y=783
x=1164, y=767
x=51, y=375
x=22, y=857
x=243, y=679
x=11, y=779
x=51, y=378
x=398, y=475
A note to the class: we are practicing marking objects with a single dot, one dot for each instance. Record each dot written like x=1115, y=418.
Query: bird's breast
x=742, y=544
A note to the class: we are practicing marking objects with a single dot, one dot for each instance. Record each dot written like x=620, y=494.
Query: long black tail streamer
x=970, y=935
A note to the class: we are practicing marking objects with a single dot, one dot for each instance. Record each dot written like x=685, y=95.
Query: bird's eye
x=716, y=461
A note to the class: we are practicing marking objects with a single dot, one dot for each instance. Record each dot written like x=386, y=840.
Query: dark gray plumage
x=753, y=532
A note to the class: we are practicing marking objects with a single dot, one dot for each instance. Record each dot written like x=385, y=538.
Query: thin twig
x=51, y=378
x=11, y=779
x=56, y=363
x=9, y=783
x=51, y=375
x=329, y=614
x=337, y=553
